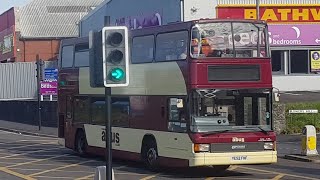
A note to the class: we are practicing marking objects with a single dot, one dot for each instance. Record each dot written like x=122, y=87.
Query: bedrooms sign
x=271, y=13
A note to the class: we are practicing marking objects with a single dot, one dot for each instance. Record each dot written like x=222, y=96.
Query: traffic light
x=96, y=59
x=115, y=56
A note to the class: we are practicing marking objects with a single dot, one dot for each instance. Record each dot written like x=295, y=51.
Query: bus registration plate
x=239, y=158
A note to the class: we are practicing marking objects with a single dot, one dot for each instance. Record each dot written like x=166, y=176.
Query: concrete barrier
x=309, y=141
x=100, y=173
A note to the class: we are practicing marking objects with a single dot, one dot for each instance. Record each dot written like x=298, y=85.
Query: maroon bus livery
x=200, y=94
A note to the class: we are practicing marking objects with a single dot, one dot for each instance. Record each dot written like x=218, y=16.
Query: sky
x=7, y=4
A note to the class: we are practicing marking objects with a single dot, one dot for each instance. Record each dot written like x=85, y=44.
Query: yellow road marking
x=119, y=167
x=291, y=175
x=18, y=158
x=85, y=177
x=26, y=169
x=149, y=177
x=39, y=160
x=229, y=169
x=279, y=176
x=11, y=142
x=14, y=155
x=8, y=171
x=3, y=163
x=209, y=178
x=37, y=156
x=4, y=153
x=28, y=146
x=54, y=177
x=36, y=140
x=129, y=173
x=239, y=178
x=232, y=168
x=61, y=167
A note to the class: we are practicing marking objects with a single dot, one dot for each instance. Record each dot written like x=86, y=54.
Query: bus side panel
x=170, y=145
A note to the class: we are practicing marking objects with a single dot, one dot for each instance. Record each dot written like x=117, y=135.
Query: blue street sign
x=51, y=74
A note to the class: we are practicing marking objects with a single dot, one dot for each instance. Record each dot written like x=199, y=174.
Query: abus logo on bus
x=242, y=39
x=236, y=139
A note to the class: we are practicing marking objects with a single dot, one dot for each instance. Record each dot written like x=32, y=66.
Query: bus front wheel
x=150, y=155
x=81, y=143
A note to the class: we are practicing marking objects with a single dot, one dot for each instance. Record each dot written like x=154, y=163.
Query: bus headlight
x=201, y=148
x=269, y=146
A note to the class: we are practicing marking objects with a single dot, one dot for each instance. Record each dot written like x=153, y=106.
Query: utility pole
x=39, y=75
x=258, y=9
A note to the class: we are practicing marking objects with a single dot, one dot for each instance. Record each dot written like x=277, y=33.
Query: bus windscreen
x=229, y=40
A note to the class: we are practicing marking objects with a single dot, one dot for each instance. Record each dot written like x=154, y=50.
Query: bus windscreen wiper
x=264, y=131
x=261, y=129
x=215, y=132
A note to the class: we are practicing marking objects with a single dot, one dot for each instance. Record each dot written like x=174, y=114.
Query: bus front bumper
x=231, y=158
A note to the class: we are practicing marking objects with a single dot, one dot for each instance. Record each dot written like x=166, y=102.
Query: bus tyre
x=150, y=155
x=81, y=143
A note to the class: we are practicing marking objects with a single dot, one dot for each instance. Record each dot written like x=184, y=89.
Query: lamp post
x=258, y=9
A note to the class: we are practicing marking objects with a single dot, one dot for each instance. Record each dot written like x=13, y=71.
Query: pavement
x=41, y=158
x=289, y=147
x=28, y=129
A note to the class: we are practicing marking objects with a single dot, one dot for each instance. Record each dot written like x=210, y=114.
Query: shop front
x=294, y=48
x=294, y=34
x=295, y=42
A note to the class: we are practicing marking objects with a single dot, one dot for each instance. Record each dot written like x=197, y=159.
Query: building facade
x=38, y=27
x=144, y=13
x=293, y=30
x=294, y=36
x=7, y=35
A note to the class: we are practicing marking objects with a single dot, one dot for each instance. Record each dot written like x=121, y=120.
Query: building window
x=299, y=61
x=278, y=61
x=177, y=115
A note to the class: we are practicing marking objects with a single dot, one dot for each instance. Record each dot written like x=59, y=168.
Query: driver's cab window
x=177, y=115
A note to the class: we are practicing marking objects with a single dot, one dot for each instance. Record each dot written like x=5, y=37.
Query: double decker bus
x=200, y=94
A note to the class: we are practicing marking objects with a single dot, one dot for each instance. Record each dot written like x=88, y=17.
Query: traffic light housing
x=115, y=56
x=96, y=59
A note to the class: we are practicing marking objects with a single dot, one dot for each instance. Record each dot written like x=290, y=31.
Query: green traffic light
x=117, y=74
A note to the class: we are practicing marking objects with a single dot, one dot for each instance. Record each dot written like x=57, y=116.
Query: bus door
x=68, y=121
x=177, y=124
x=253, y=109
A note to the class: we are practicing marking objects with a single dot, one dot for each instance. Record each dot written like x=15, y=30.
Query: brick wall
x=48, y=50
x=279, y=117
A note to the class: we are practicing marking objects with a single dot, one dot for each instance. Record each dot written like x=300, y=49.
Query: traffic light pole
x=108, y=122
x=108, y=133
